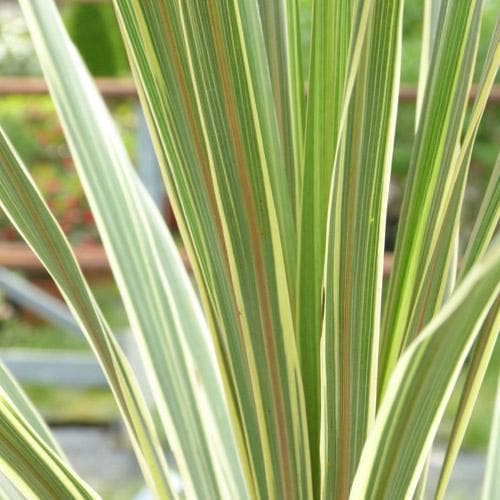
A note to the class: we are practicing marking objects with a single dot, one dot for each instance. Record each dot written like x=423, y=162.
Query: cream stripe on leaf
x=491, y=485
x=430, y=175
x=431, y=11
x=420, y=387
x=13, y=396
x=12, y=390
x=162, y=307
x=475, y=371
x=439, y=265
x=479, y=240
x=355, y=250
x=32, y=464
x=331, y=33
x=204, y=79
x=24, y=206
x=281, y=28
x=486, y=222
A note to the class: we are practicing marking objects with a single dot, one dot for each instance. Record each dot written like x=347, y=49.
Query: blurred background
x=49, y=355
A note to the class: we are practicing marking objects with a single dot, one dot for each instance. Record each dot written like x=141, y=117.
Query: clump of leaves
x=295, y=378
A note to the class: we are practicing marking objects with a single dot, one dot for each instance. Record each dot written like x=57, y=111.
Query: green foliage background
x=94, y=31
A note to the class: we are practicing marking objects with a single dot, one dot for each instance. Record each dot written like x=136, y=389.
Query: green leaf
x=328, y=73
x=476, y=370
x=431, y=10
x=12, y=390
x=431, y=293
x=281, y=28
x=432, y=174
x=438, y=272
x=486, y=222
x=204, y=80
x=355, y=250
x=420, y=387
x=491, y=486
x=30, y=457
x=24, y=206
x=292, y=382
x=32, y=465
x=161, y=305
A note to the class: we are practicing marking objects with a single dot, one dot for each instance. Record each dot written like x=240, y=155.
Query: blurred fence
x=125, y=87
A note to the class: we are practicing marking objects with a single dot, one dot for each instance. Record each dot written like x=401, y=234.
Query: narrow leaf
x=24, y=206
x=281, y=28
x=476, y=370
x=486, y=222
x=491, y=486
x=12, y=390
x=207, y=93
x=32, y=464
x=421, y=385
x=331, y=33
x=159, y=300
x=437, y=269
x=355, y=252
x=430, y=180
x=431, y=12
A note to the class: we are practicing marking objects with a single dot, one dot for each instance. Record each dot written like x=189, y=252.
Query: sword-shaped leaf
x=438, y=269
x=204, y=79
x=491, y=486
x=421, y=385
x=430, y=180
x=355, y=251
x=475, y=372
x=281, y=27
x=332, y=25
x=23, y=204
x=12, y=390
x=31, y=462
x=486, y=222
x=161, y=305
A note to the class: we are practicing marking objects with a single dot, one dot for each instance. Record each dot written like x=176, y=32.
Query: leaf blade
x=327, y=75
x=481, y=356
x=355, y=251
x=216, y=132
x=490, y=486
x=433, y=156
x=31, y=464
x=161, y=305
x=23, y=204
x=421, y=385
x=12, y=390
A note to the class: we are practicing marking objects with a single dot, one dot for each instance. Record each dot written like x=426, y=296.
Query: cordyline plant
x=296, y=377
